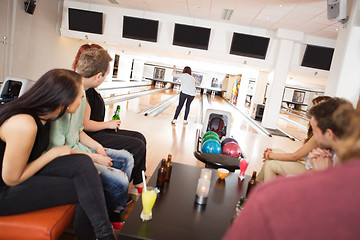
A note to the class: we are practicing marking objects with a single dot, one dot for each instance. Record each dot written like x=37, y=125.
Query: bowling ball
x=227, y=140
x=211, y=146
x=231, y=149
x=211, y=133
x=211, y=137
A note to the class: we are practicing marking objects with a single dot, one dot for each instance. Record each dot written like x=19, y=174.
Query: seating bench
x=42, y=224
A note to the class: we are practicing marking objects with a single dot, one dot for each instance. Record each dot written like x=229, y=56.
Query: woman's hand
x=101, y=159
x=100, y=150
x=60, y=151
x=266, y=154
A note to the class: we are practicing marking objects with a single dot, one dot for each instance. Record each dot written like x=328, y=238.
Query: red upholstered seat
x=42, y=224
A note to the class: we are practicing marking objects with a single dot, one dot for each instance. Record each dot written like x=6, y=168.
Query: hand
x=101, y=159
x=113, y=124
x=266, y=154
x=60, y=151
x=100, y=150
x=320, y=159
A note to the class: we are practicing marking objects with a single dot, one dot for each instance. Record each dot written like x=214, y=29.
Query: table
x=175, y=214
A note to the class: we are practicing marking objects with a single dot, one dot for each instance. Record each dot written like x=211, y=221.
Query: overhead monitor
x=249, y=45
x=317, y=57
x=140, y=28
x=191, y=36
x=85, y=21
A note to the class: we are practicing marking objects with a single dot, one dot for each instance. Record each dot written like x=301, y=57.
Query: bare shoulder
x=19, y=125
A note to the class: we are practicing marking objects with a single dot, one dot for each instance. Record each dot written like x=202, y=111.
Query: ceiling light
x=227, y=14
x=113, y=1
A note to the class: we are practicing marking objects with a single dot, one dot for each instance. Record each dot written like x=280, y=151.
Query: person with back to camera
x=115, y=166
x=108, y=133
x=32, y=179
x=318, y=204
x=279, y=163
x=187, y=92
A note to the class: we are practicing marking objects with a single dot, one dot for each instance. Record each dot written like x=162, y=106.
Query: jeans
x=115, y=179
x=182, y=99
x=67, y=179
x=132, y=141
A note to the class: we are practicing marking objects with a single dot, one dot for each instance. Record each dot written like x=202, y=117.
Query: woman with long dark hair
x=32, y=179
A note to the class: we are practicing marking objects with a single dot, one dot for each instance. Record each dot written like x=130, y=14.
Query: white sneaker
x=134, y=194
x=173, y=121
x=186, y=122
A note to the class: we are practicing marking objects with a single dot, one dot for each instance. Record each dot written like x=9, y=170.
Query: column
x=259, y=92
x=277, y=85
x=344, y=74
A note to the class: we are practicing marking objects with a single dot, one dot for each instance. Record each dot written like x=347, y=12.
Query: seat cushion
x=48, y=223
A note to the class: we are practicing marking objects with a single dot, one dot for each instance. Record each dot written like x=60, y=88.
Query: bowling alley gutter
x=116, y=99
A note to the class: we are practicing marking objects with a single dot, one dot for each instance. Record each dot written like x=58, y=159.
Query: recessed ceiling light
x=113, y=2
x=227, y=14
x=336, y=29
x=280, y=5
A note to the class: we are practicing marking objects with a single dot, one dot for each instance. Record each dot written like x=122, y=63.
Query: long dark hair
x=315, y=101
x=56, y=88
x=187, y=70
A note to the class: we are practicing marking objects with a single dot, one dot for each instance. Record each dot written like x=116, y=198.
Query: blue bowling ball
x=211, y=146
x=227, y=140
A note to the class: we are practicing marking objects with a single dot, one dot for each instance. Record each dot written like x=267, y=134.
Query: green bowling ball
x=211, y=137
x=211, y=133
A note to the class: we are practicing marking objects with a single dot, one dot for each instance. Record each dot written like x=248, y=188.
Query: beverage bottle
x=238, y=208
x=161, y=177
x=168, y=167
x=252, y=184
x=116, y=114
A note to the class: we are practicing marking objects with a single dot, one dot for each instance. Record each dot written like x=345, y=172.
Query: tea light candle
x=203, y=188
x=202, y=191
x=205, y=174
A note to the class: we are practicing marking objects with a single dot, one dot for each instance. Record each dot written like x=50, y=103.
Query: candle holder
x=202, y=191
x=205, y=173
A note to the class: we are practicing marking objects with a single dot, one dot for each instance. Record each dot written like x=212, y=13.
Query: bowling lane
x=179, y=140
x=162, y=137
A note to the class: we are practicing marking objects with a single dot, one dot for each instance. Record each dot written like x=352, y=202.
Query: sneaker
x=173, y=121
x=186, y=122
x=135, y=195
x=117, y=225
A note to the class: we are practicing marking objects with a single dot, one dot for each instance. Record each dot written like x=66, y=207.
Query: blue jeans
x=115, y=179
x=182, y=99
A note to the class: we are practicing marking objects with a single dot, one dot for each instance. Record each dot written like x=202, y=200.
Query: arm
x=295, y=156
x=90, y=125
x=16, y=168
x=100, y=156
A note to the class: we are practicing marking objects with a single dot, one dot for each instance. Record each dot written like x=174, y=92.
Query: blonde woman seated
x=277, y=162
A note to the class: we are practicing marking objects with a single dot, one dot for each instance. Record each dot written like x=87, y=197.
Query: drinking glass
x=148, y=199
x=243, y=166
